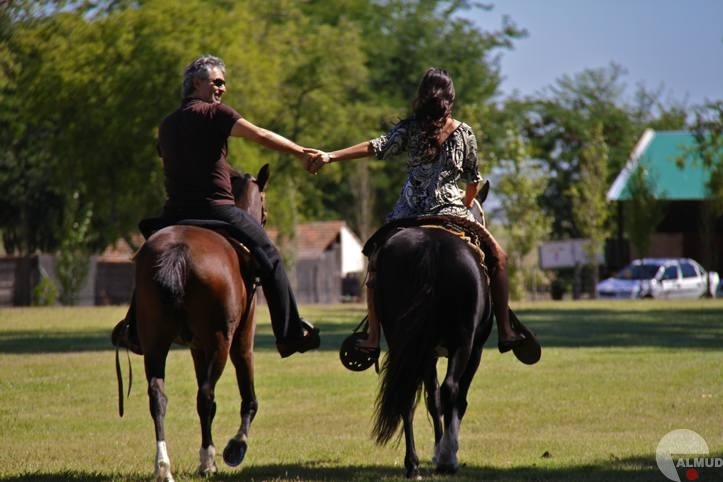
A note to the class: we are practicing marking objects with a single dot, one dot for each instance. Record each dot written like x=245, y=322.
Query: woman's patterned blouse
x=431, y=187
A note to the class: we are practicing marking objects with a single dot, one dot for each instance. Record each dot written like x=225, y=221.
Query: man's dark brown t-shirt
x=193, y=144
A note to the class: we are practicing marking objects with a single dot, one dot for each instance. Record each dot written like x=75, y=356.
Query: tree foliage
x=643, y=212
x=588, y=196
x=707, y=132
x=559, y=122
x=85, y=84
x=519, y=188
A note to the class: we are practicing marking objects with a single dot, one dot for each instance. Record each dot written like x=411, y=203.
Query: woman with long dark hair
x=441, y=151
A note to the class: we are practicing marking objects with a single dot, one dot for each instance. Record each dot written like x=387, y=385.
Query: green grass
x=613, y=380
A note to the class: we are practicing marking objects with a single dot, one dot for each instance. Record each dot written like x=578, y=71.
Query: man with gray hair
x=192, y=141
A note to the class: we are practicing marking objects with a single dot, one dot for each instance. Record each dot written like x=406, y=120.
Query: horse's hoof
x=207, y=464
x=234, y=452
x=414, y=474
x=447, y=469
x=163, y=472
x=206, y=471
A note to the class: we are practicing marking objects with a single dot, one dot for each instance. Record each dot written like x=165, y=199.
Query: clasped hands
x=314, y=159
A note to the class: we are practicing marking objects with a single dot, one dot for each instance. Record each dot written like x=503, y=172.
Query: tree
x=559, y=120
x=86, y=92
x=589, y=206
x=519, y=188
x=84, y=85
x=643, y=212
x=558, y=128
x=72, y=262
x=707, y=132
x=400, y=40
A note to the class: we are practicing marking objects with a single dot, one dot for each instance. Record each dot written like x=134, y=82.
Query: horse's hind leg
x=454, y=401
x=209, y=367
x=431, y=386
x=242, y=358
x=453, y=406
x=411, y=460
x=155, y=366
x=466, y=380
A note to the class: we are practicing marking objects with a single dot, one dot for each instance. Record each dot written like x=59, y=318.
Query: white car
x=660, y=278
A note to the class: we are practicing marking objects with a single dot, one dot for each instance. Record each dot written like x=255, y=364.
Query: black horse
x=432, y=299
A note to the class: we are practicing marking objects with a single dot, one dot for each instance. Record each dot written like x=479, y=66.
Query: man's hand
x=315, y=159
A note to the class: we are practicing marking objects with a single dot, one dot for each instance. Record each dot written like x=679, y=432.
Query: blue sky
x=674, y=44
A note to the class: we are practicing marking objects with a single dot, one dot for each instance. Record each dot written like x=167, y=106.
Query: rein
x=119, y=377
x=254, y=284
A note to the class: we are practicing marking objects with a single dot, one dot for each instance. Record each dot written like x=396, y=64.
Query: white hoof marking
x=207, y=458
x=163, y=464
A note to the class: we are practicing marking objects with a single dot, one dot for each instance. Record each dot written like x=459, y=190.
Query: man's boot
x=125, y=333
x=309, y=341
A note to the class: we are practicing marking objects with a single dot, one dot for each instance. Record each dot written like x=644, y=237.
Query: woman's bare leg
x=372, y=340
x=499, y=286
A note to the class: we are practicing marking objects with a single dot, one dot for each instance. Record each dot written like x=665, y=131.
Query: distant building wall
x=114, y=282
x=662, y=245
x=18, y=277
x=352, y=259
x=319, y=280
x=105, y=283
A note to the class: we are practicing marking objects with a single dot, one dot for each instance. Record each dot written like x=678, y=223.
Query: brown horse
x=196, y=287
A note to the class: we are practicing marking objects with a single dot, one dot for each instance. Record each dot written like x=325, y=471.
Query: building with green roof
x=681, y=185
x=658, y=153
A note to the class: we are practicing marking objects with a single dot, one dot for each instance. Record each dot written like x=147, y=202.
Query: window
x=671, y=272
x=688, y=270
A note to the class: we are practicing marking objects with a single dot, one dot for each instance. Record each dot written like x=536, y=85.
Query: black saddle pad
x=149, y=226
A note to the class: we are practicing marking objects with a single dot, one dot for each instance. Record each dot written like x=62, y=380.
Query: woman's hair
x=432, y=106
x=200, y=69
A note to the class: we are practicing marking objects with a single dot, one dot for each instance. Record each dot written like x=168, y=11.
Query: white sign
x=565, y=254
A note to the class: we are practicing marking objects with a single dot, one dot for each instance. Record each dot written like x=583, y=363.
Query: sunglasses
x=218, y=82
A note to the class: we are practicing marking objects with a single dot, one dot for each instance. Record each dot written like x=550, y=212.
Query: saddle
x=469, y=231
x=149, y=226
x=528, y=352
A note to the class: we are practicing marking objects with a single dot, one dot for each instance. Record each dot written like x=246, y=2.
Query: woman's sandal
x=510, y=343
x=528, y=349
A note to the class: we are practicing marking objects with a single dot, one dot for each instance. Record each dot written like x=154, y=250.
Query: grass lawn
x=613, y=380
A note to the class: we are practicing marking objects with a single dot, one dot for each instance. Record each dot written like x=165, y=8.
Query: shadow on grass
x=584, y=327
x=672, y=328
x=636, y=468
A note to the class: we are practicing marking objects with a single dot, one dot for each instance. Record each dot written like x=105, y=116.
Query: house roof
x=314, y=238
x=121, y=251
x=658, y=152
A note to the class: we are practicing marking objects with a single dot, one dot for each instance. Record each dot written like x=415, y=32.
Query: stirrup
x=358, y=358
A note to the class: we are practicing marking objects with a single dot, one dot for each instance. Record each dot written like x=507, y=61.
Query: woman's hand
x=315, y=159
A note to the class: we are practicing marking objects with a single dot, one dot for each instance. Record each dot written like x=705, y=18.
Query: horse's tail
x=410, y=352
x=171, y=272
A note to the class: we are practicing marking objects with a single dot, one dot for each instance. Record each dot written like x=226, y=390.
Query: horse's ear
x=263, y=176
x=483, y=192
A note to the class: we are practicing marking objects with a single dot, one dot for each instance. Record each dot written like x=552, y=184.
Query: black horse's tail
x=171, y=272
x=411, y=350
